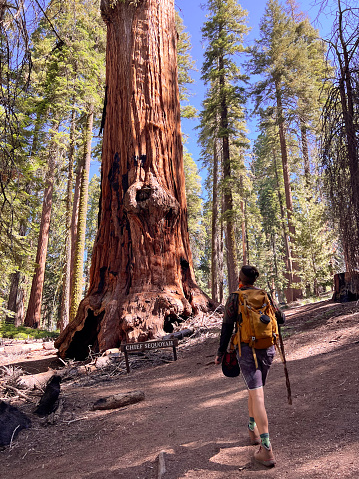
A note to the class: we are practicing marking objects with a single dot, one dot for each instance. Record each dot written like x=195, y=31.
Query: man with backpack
x=255, y=316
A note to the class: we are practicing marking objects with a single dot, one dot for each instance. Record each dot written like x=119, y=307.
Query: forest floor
x=198, y=417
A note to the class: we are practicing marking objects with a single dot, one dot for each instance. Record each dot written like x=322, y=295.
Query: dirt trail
x=198, y=416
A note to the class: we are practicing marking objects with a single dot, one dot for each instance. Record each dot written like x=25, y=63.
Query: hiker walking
x=255, y=315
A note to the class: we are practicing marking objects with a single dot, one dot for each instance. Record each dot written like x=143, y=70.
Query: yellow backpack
x=257, y=325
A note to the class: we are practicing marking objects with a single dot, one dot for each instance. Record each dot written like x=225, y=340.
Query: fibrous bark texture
x=141, y=272
x=33, y=313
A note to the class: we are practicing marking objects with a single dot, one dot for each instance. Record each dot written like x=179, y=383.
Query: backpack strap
x=252, y=342
x=243, y=302
x=236, y=337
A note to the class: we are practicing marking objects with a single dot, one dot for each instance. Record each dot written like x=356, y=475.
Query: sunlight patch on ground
x=133, y=460
x=222, y=401
x=340, y=463
x=200, y=443
x=178, y=380
x=328, y=342
x=232, y=456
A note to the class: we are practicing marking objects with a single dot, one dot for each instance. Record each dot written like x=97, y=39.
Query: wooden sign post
x=147, y=346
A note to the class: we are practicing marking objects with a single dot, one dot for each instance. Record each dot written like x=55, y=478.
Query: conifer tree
x=290, y=57
x=340, y=139
x=67, y=78
x=223, y=108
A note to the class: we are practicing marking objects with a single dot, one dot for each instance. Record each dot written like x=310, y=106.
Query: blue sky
x=193, y=18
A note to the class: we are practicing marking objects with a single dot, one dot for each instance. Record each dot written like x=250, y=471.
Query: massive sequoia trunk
x=141, y=274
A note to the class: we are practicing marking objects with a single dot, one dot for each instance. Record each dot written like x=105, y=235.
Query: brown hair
x=250, y=272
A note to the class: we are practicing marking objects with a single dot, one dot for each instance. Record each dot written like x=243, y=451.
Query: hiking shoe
x=254, y=436
x=265, y=456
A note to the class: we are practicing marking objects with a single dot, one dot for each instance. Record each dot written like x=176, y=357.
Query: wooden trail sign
x=148, y=346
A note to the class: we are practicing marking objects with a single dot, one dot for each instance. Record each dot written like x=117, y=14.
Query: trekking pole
x=282, y=354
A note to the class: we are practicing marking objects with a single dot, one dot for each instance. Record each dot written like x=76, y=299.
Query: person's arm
x=229, y=320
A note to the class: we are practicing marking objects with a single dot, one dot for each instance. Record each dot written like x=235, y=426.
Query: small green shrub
x=21, y=332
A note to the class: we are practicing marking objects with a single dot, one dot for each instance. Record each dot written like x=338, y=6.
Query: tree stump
x=346, y=287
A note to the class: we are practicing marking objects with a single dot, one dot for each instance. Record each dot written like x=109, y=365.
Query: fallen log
x=35, y=381
x=119, y=400
x=179, y=334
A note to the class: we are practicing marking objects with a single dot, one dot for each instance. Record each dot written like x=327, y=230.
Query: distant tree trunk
x=284, y=154
x=221, y=255
x=340, y=138
x=348, y=100
x=215, y=232
x=231, y=253
x=16, y=300
x=305, y=151
x=33, y=313
x=141, y=270
x=74, y=221
x=244, y=235
x=288, y=256
x=78, y=264
x=19, y=281
x=65, y=298
x=244, y=242
x=296, y=294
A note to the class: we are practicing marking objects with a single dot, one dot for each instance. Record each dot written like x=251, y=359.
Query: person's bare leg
x=257, y=409
x=256, y=405
x=252, y=428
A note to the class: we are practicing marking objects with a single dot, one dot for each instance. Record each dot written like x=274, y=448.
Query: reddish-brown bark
x=141, y=272
x=292, y=293
x=33, y=313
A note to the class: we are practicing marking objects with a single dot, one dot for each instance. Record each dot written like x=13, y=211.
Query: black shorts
x=255, y=378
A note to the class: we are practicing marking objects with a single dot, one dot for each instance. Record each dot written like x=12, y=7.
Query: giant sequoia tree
x=141, y=273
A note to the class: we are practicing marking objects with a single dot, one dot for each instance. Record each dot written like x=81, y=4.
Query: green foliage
x=185, y=64
x=196, y=229
x=267, y=228
x=55, y=258
x=68, y=74
x=315, y=242
x=290, y=58
x=222, y=127
x=11, y=332
x=223, y=33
